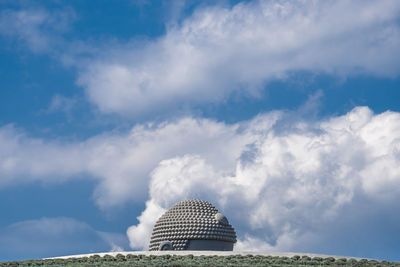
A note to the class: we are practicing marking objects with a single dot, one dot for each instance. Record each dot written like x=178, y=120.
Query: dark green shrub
x=95, y=257
x=317, y=259
x=120, y=257
x=352, y=261
x=329, y=259
x=131, y=257
x=305, y=258
x=295, y=257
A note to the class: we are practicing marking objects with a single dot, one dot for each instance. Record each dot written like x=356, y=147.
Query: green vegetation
x=190, y=260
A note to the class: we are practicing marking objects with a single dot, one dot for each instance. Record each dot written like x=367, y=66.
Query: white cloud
x=294, y=184
x=48, y=237
x=218, y=51
x=140, y=234
x=36, y=28
x=284, y=184
x=121, y=162
x=61, y=103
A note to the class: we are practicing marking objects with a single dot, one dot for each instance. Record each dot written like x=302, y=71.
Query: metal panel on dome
x=188, y=221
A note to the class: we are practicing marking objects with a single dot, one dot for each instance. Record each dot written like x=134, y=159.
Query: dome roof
x=191, y=220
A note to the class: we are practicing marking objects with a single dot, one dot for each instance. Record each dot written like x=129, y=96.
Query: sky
x=285, y=115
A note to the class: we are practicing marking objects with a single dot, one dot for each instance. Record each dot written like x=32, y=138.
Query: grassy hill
x=191, y=260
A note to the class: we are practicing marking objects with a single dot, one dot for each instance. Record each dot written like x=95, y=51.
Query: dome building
x=193, y=225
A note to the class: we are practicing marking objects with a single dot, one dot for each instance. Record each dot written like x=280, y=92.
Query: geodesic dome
x=194, y=225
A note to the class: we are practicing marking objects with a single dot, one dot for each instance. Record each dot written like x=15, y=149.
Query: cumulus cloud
x=48, y=237
x=284, y=184
x=218, y=51
x=294, y=185
x=120, y=162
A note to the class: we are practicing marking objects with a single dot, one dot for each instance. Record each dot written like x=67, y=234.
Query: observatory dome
x=192, y=225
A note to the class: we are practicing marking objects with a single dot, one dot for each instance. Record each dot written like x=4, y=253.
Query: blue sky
x=285, y=115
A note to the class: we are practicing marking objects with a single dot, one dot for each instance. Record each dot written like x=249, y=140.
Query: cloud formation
x=284, y=184
x=37, y=28
x=294, y=187
x=48, y=237
x=218, y=51
x=120, y=162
